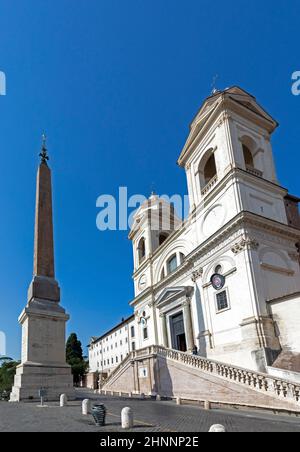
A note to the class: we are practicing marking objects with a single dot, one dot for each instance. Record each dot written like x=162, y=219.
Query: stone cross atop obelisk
x=43, y=240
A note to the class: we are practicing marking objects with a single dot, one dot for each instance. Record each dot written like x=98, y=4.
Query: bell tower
x=230, y=138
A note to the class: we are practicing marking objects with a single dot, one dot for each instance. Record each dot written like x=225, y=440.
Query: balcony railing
x=208, y=187
x=254, y=171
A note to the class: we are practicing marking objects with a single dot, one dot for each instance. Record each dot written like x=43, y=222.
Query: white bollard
x=217, y=428
x=63, y=400
x=158, y=398
x=130, y=395
x=86, y=407
x=178, y=401
x=120, y=394
x=143, y=396
x=127, y=418
x=207, y=405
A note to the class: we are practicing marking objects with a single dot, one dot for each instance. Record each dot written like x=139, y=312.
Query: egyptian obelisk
x=43, y=364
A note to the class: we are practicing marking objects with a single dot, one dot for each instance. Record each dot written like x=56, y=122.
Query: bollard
x=120, y=394
x=217, y=428
x=158, y=398
x=207, y=405
x=63, y=400
x=127, y=418
x=178, y=401
x=143, y=396
x=130, y=395
x=86, y=407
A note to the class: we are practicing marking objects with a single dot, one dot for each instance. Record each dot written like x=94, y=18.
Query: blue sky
x=115, y=84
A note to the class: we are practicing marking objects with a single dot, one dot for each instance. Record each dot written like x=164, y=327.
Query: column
x=187, y=317
x=164, y=330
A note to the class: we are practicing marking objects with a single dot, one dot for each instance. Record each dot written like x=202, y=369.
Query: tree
x=7, y=374
x=75, y=358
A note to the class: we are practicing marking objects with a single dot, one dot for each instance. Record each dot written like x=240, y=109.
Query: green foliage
x=75, y=358
x=7, y=374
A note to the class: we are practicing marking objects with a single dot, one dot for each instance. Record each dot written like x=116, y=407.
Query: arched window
x=141, y=250
x=210, y=169
x=172, y=264
x=249, y=162
x=219, y=269
x=182, y=257
x=162, y=237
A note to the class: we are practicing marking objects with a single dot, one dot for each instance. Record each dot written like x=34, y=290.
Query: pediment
x=172, y=293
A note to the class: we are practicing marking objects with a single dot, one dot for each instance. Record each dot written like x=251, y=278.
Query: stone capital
x=197, y=274
x=245, y=244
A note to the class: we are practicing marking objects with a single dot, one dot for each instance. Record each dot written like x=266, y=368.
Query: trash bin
x=99, y=414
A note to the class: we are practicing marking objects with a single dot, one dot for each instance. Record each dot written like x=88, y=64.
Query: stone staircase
x=157, y=370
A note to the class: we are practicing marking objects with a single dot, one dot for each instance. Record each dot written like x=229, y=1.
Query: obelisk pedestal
x=43, y=364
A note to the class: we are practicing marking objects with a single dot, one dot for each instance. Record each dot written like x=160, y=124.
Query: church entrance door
x=178, y=332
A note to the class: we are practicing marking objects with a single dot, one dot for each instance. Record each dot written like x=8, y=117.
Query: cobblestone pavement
x=150, y=416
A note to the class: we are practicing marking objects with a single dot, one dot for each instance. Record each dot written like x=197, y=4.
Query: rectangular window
x=133, y=346
x=222, y=301
x=112, y=360
x=117, y=359
x=132, y=331
x=145, y=333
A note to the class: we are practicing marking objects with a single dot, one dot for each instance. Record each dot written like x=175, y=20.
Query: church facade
x=225, y=282
x=227, y=279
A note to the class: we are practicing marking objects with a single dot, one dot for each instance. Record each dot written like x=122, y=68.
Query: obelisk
x=43, y=364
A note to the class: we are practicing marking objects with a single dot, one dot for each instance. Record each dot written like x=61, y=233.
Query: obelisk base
x=30, y=378
x=43, y=364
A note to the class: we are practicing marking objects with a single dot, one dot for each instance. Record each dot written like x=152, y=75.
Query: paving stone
x=149, y=416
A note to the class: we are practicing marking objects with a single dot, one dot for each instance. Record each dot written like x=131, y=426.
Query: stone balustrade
x=210, y=185
x=258, y=381
x=254, y=171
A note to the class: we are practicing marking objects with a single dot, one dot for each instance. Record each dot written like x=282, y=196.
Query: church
x=223, y=285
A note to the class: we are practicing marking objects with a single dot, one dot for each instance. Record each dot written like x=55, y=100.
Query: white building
x=109, y=350
x=227, y=278
x=242, y=225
